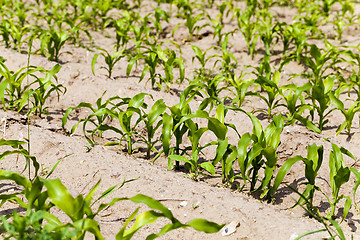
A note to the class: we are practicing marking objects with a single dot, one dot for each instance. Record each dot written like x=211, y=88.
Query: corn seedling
x=14, y=94
x=110, y=60
x=227, y=59
x=178, y=111
x=216, y=125
x=201, y=57
x=321, y=101
x=51, y=43
x=17, y=33
x=241, y=86
x=284, y=33
x=123, y=27
x=272, y=91
x=312, y=162
x=339, y=175
x=267, y=31
x=248, y=27
x=210, y=86
x=40, y=94
x=191, y=25
x=99, y=118
x=19, y=150
x=158, y=15
x=126, y=118
x=348, y=113
x=151, y=125
x=258, y=150
x=295, y=104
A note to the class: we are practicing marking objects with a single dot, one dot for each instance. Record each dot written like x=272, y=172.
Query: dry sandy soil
x=81, y=169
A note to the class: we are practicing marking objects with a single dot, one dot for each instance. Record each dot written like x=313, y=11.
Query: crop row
x=55, y=23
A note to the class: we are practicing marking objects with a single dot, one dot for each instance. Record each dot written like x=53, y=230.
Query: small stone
x=183, y=203
x=115, y=174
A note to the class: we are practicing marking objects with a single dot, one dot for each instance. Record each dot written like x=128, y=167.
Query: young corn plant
x=99, y=119
x=191, y=23
x=191, y=164
x=225, y=153
x=169, y=62
x=322, y=81
x=241, y=90
x=348, y=113
x=152, y=60
x=319, y=63
x=298, y=32
x=142, y=33
x=215, y=125
x=295, y=104
x=155, y=56
x=158, y=15
x=313, y=162
x=319, y=94
x=17, y=33
x=51, y=43
x=123, y=27
x=272, y=90
x=284, y=33
x=126, y=120
x=178, y=111
x=15, y=94
x=267, y=31
x=294, y=100
x=257, y=151
x=39, y=95
x=202, y=59
x=248, y=27
x=20, y=151
x=5, y=32
x=128, y=124
x=152, y=126
x=211, y=87
x=339, y=175
x=110, y=60
x=228, y=61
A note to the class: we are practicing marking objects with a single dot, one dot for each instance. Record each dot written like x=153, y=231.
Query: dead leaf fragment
x=230, y=228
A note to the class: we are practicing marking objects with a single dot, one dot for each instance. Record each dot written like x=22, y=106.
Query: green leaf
x=220, y=150
x=338, y=229
x=93, y=62
x=307, y=123
x=284, y=170
x=208, y=167
x=89, y=225
x=243, y=144
x=166, y=132
x=347, y=207
x=180, y=158
x=204, y=225
x=315, y=53
x=156, y=110
x=137, y=100
x=59, y=195
x=217, y=127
